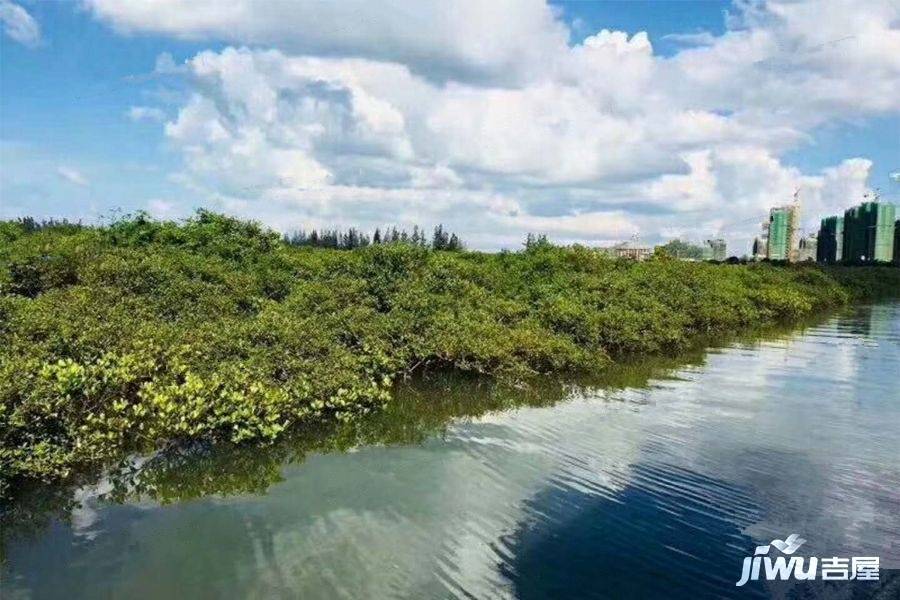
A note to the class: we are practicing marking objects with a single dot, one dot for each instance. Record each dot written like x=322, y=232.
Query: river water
x=654, y=483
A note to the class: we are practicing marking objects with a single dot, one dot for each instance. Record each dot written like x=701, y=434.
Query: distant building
x=897, y=242
x=806, y=251
x=831, y=240
x=759, y=249
x=869, y=233
x=781, y=232
x=630, y=250
x=715, y=250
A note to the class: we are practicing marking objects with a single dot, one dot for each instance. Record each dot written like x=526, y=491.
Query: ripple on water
x=651, y=491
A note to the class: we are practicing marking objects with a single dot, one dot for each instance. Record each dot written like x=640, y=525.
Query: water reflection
x=660, y=537
x=654, y=483
x=422, y=408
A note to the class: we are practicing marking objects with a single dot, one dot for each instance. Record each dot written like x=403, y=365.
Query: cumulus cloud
x=72, y=176
x=796, y=63
x=375, y=121
x=467, y=38
x=19, y=25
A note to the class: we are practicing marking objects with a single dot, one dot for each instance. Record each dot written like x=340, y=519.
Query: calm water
x=654, y=485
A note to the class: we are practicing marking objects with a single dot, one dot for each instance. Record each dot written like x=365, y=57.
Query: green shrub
x=140, y=334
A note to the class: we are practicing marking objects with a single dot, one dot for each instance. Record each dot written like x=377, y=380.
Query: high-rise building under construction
x=782, y=228
x=869, y=233
x=831, y=240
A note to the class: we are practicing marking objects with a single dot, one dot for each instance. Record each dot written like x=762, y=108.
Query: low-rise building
x=630, y=250
x=716, y=249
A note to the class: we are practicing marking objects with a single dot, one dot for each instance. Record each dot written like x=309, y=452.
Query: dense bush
x=143, y=333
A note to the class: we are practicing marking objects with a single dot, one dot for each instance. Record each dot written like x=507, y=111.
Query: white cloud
x=796, y=63
x=19, y=25
x=375, y=121
x=466, y=38
x=146, y=113
x=164, y=209
x=895, y=176
x=72, y=175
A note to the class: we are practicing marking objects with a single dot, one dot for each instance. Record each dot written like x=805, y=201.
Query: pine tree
x=441, y=239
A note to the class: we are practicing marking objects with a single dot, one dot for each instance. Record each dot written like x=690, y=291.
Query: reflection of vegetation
x=421, y=407
x=35, y=505
x=419, y=410
x=142, y=335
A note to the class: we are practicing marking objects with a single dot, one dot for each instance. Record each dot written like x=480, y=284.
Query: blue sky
x=69, y=148
x=65, y=102
x=658, y=19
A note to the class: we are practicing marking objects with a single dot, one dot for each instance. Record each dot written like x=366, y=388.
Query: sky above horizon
x=591, y=122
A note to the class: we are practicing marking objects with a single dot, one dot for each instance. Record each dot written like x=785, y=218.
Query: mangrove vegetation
x=141, y=335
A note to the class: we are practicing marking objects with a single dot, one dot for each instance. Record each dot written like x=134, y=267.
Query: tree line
x=32, y=225
x=681, y=249
x=336, y=239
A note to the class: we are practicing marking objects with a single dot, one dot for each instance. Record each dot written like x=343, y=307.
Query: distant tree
x=350, y=239
x=533, y=241
x=31, y=225
x=329, y=238
x=353, y=238
x=681, y=249
x=441, y=239
x=356, y=239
